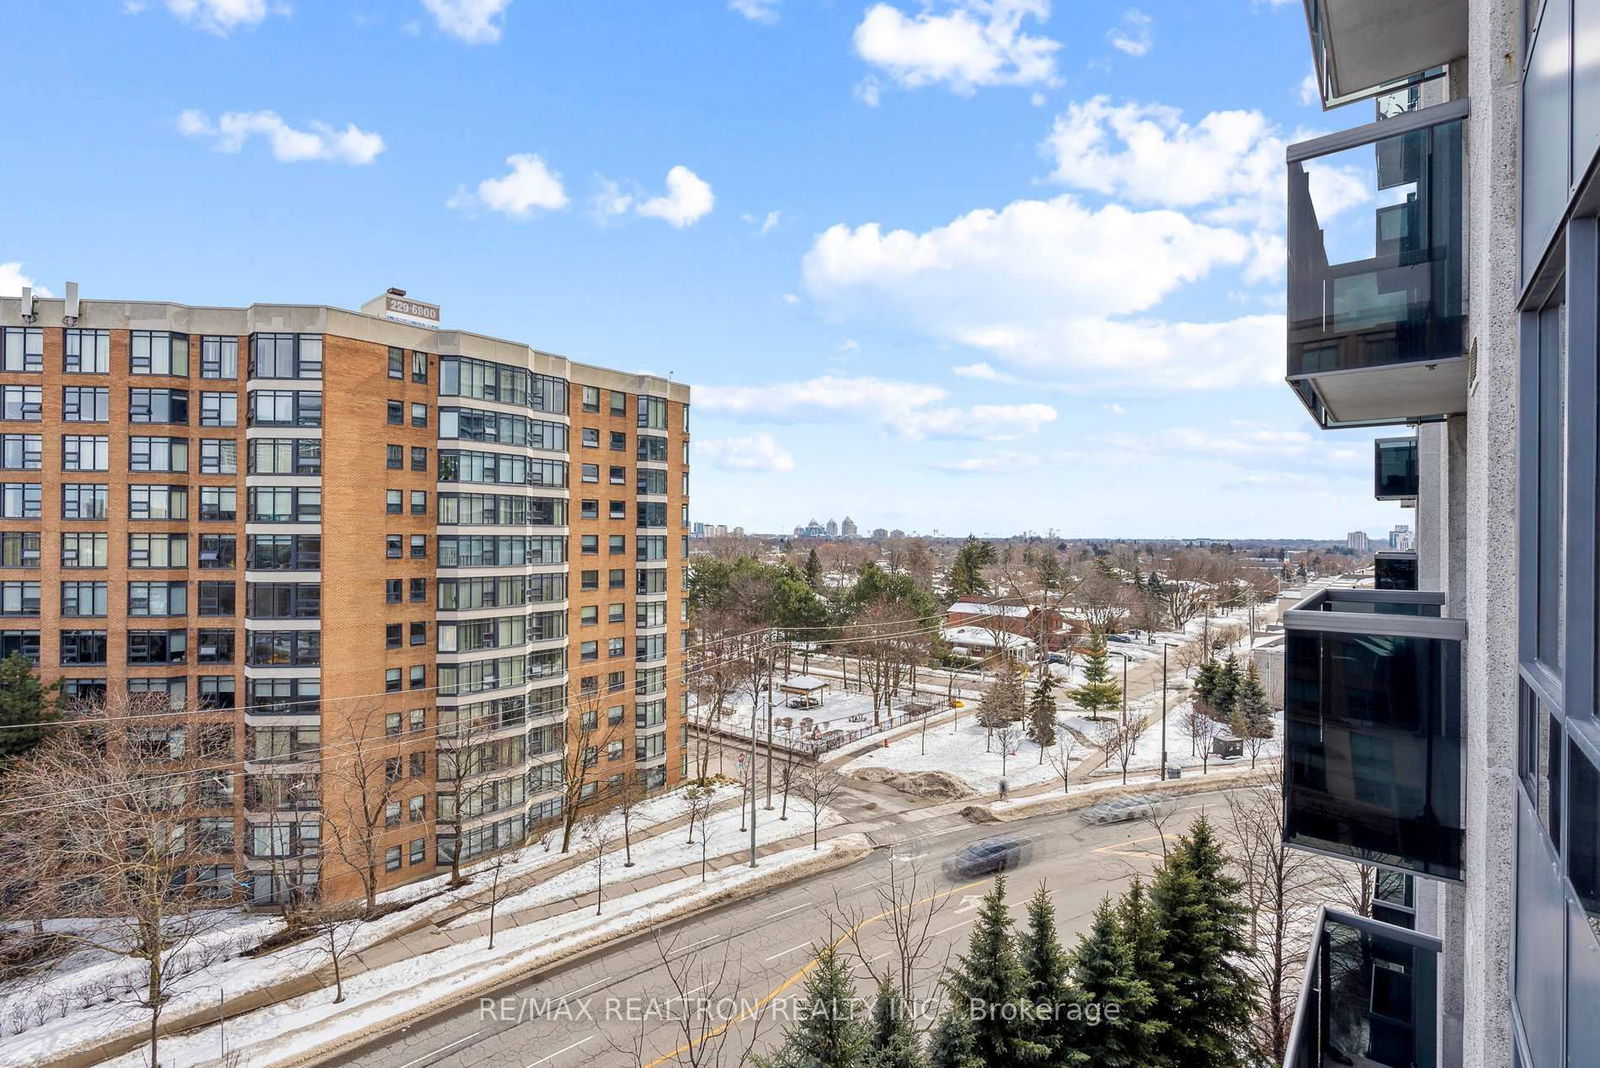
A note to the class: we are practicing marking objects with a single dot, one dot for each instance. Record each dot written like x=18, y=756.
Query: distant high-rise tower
x=1357, y=541
x=833, y=529
x=848, y=527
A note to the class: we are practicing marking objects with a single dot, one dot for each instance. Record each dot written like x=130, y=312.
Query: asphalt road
x=641, y=1002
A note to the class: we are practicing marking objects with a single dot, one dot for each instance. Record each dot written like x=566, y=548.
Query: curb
x=1059, y=803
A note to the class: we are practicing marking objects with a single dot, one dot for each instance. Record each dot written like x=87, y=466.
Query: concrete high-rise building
x=879, y=533
x=1400, y=538
x=1448, y=733
x=832, y=529
x=1357, y=541
x=847, y=528
x=318, y=531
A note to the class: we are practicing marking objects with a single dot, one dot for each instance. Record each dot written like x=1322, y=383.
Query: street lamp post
x=1163, y=712
x=1124, y=685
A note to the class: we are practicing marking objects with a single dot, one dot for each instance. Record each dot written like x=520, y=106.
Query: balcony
x=1369, y=997
x=1364, y=47
x=1394, y=469
x=1377, y=306
x=1372, y=730
x=1394, y=571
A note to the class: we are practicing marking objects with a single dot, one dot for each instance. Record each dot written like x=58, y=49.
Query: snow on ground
x=67, y=1007
x=291, y=1029
x=722, y=836
x=840, y=711
x=1147, y=756
x=960, y=751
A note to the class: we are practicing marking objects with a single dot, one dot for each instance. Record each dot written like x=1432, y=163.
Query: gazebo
x=803, y=691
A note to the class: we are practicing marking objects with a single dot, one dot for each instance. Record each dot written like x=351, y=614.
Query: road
x=615, y=1008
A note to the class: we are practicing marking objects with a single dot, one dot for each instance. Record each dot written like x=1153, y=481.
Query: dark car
x=988, y=856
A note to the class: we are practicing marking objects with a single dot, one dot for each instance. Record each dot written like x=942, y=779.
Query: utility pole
x=1163, y=711
x=772, y=667
x=755, y=708
x=1124, y=689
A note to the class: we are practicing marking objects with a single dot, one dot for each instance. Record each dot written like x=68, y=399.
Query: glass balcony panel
x=1369, y=997
x=1376, y=298
x=1395, y=470
x=1373, y=744
x=1394, y=571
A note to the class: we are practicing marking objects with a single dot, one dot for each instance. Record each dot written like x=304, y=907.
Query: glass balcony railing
x=1372, y=730
x=1394, y=571
x=1395, y=473
x=1377, y=304
x=1369, y=997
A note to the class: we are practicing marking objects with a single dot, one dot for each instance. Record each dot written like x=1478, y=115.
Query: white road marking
x=441, y=1049
x=589, y=986
x=953, y=927
x=785, y=912
x=559, y=1052
x=791, y=949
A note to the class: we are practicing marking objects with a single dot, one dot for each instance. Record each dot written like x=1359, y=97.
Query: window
x=617, y=544
x=591, y=398
x=158, y=550
x=617, y=578
x=397, y=362
x=216, y=646
x=158, y=502
x=394, y=457
x=417, y=721
x=588, y=615
x=391, y=680
x=19, y=598
x=653, y=412
x=391, y=858
x=83, y=550
x=218, y=599
x=419, y=502
x=79, y=453
x=393, y=591
x=589, y=509
x=396, y=413
x=20, y=500
x=22, y=403
x=393, y=502
x=589, y=580
x=219, y=504
x=19, y=549
x=418, y=676
x=21, y=452
x=219, y=456
x=651, y=449
x=392, y=546
x=158, y=646
x=158, y=406
x=419, y=458
x=417, y=851
x=419, y=546
x=588, y=651
x=158, y=598
x=619, y=441
x=219, y=357
x=285, y=407
x=588, y=544
x=391, y=817
x=87, y=352
x=218, y=551
x=419, y=633
x=419, y=591
x=219, y=409
x=417, y=765
x=22, y=349
x=419, y=415
x=417, y=809
x=283, y=600
x=86, y=404
x=83, y=647
x=618, y=476
x=619, y=402
x=285, y=456
x=155, y=352
x=591, y=472
x=618, y=510
x=284, y=504
x=391, y=640
x=286, y=356
x=158, y=454
x=615, y=613
x=591, y=437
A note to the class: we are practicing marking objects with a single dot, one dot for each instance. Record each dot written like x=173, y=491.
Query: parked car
x=990, y=855
x=1057, y=658
x=1123, y=638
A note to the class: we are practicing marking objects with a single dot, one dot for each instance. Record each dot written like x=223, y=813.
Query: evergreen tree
x=1142, y=933
x=813, y=570
x=1103, y=976
x=1211, y=997
x=989, y=987
x=966, y=573
x=827, y=1032
x=1042, y=712
x=1099, y=693
x=1004, y=701
x=1049, y=986
x=1253, y=707
x=1227, y=688
x=24, y=705
x=892, y=1041
x=953, y=1043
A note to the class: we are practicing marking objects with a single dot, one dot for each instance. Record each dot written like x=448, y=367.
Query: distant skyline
x=968, y=264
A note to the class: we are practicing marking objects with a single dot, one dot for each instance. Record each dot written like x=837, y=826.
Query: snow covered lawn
x=387, y=996
x=959, y=750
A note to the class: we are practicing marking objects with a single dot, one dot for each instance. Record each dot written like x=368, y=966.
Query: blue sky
x=972, y=265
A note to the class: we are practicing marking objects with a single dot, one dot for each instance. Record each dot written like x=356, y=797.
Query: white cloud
x=764, y=224
x=610, y=201
x=791, y=299
x=530, y=186
x=869, y=91
x=472, y=21
x=1061, y=294
x=850, y=344
x=220, y=17
x=318, y=141
x=1133, y=34
x=998, y=464
x=970, y=45
x=763, y=11
x=688, y=199
x=754, y=452
x=1310, y=93
x=12, y=280
x=907, y=409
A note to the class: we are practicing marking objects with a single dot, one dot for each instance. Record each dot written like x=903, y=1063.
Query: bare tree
x=1279, y=888
x=111, y=804
x=626, y=800
x=819, y=786
x=696, y=983
x=365, y=773
x=786, y=774
x=498, y=886
x=1119, y=742
x=1202, y=730
x=580, y=760
x=910, y=909
x=334, y=927
x=458, y=737
x=1009, y=737
x=599, y=833
x=1158, y=814
x=1060, y=757
x=696, y=802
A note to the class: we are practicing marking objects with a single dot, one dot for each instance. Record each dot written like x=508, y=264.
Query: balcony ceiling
x=1374, y=42
x=1394, y=394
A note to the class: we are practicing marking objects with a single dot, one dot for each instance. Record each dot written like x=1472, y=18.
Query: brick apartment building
x=323, y=533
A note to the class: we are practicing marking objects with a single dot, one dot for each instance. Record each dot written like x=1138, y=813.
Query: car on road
x=988, y=856
x=1123, y=638
x=1123, y=809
